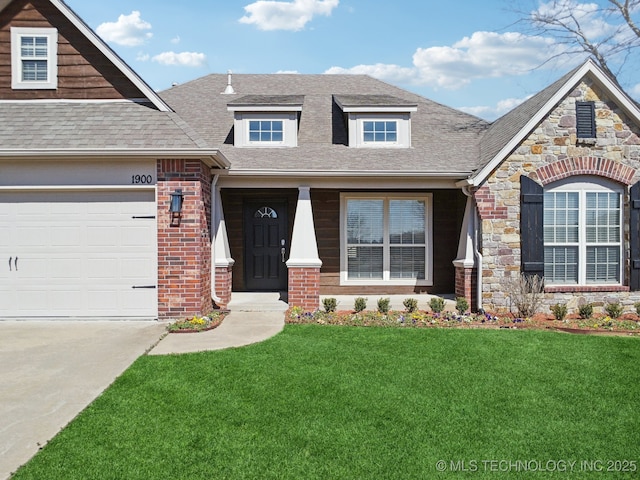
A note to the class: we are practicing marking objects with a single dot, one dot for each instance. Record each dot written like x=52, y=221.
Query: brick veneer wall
x=552, y=152
x=184, y=250
x=466, y=284
x=224, y=285
x=304, y=288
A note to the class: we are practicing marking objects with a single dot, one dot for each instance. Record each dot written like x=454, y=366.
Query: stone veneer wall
x=551, y=152
x=184, y=250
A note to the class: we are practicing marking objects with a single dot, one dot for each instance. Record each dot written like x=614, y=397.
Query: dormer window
x=266, y=121
x=377, y=121
x=34, y=55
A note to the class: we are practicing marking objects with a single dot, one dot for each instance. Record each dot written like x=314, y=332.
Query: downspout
x=476, y=252
x=214, y=182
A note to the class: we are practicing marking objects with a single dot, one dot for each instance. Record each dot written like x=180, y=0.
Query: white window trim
x=386, y=280
x=16, y=58
x=582, y=186
x=356, y=129
x=289, y=124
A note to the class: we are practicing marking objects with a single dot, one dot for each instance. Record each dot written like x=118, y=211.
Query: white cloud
x=183, y=59
x=482, y=55
x=490, y=113
x=288, y=72
x=635, y=91
x=294, y=15
x=176, y=40
x=129, y=30
x=143, y=57
x=587, y=15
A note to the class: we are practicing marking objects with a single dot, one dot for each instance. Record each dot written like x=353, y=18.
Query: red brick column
x=224, y=283
x=466, y=285
x=184, y=248
x=304, y=288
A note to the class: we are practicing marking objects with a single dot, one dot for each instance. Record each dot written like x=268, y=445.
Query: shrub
x=360, y=304
x=437, y=304
x=462, y=305
x=614, y=309
x=585, y=311
x=559, y=311
x=525, y=293
x=329, y=304
x=410, y=304
x=637, y=306
x=383, y=305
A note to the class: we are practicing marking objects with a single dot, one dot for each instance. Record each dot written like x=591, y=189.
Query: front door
x=265, y=246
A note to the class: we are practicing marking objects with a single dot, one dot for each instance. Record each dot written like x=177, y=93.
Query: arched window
x=266, y=212
x=583, y=232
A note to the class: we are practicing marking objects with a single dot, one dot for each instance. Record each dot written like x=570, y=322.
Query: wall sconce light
x=176, y=206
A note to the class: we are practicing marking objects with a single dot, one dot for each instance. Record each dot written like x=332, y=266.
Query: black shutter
x=586, y=119
x=531, y=227
x=634, y=237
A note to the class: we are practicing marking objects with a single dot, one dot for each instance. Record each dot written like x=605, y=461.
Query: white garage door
x=78, y=254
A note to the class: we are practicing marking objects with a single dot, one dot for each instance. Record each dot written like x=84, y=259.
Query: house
x=119, y=202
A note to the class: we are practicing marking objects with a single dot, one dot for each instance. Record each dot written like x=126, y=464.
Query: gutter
x=348, y=173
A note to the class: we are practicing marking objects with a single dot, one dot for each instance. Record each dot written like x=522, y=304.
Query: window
x=583, y=234
x=266, y=131
x=386, y=239
x=34, y=58
x=380, y=132
x=585, y=120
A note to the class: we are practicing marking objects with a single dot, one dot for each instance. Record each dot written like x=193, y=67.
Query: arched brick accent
x=599, y=166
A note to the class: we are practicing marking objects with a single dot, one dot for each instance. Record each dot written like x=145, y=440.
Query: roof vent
x=229, y=90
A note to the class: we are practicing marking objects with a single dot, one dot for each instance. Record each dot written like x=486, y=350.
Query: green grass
x=362, y=403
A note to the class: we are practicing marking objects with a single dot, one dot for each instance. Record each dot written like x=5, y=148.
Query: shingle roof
x=94, y=126
x=372, y=101
x=268, y=100
x=444, y=140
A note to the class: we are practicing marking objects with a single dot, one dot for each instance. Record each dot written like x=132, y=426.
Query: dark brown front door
x=265, y=246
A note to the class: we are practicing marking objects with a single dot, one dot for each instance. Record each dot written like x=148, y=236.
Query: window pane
x=365, y=221
x=407, y=222
x=254, y=126
x=408, y=262
x=34, y=70
x=603, y=265
x=364, y=262
x=561, y=265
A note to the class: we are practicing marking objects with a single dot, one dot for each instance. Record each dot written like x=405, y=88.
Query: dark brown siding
x=448, y=210
x=83, y=71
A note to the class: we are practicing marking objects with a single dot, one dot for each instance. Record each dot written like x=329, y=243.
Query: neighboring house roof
x=444, y=141
x=509, y=131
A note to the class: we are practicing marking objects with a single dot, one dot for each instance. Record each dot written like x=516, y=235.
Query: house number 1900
x=141, y=179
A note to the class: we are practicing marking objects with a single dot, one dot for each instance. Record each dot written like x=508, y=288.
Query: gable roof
x=509, y=131
x=120, y=64
x=444, y=140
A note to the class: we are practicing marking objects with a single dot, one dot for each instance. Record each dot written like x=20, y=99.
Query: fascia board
x=265, y=108
x=348, y=173
x=379, y=109
x=111, y=55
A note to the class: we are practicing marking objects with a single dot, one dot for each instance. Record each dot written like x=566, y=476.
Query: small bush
x=637, y=307
x=360, y=304
x=410, y=304
x=329, y=304
x=559, y=311
x=614, y=309
x=585, y=311
x=525, y=292
x=436, y=304
x=462, y=305
x=383, y=305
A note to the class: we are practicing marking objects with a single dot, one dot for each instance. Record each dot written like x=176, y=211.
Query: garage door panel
x=80, y=254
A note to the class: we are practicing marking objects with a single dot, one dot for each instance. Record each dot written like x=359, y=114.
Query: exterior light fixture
x=176, y=206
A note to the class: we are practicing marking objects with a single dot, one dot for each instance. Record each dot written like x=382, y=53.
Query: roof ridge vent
x=229, y=90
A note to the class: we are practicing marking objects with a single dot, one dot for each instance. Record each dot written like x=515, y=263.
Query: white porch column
x=465, y=261
x=222, y=263
x=466, y=256
x=304, y=262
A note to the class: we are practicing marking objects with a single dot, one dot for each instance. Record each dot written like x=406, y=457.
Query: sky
x=468, y=54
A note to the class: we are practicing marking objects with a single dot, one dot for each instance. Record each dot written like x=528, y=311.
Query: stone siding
x=550, y=153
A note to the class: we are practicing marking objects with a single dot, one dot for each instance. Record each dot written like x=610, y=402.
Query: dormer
x=266, y=121
x=377, y=121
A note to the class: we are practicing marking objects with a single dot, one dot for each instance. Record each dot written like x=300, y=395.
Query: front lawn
x=325, y=402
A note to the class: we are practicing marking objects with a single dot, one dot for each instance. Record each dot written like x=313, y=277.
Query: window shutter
x=634, y=237
x=531, y=227
x=586, y=119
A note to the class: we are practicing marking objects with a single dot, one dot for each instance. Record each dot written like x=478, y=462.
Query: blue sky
x=467, y=54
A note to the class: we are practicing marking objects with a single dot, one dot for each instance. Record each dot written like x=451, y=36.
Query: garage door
x=78, y=254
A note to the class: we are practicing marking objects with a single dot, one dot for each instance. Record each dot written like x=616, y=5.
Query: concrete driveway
x=50, y=371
